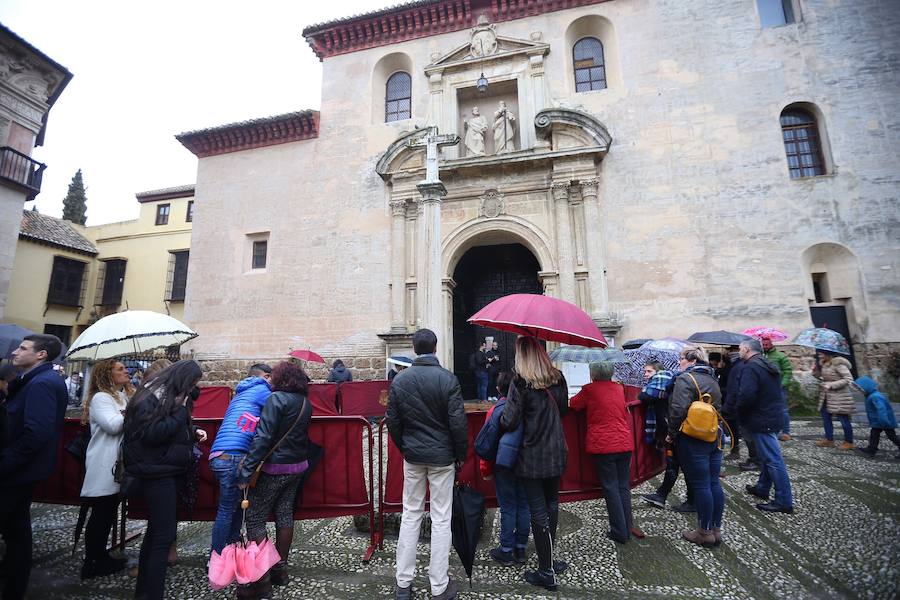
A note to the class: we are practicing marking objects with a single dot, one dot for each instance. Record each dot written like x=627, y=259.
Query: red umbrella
x=543, y=317
x=307, y=355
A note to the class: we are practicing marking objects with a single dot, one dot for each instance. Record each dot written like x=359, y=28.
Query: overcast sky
x=144, y=71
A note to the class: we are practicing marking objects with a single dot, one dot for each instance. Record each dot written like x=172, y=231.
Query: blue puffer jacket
x=878, y=409
x=509, y=443
x=239, y=423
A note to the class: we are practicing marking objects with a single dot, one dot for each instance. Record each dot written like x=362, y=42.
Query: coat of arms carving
x=491, y=204
x=484, y=39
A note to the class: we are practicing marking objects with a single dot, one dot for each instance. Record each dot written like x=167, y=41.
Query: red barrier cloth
x=64, y=485
x=578, y=482
x=323, y=397
x=212, y=403
x=364, y=398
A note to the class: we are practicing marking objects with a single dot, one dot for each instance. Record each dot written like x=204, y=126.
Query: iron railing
x=21, y=170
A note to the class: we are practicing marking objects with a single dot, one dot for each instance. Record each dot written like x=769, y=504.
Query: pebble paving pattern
x=843, y=541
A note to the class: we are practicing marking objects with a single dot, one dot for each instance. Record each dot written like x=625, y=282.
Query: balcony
x=21, y=171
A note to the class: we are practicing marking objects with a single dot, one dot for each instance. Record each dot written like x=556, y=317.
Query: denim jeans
x=772, y=469
x=515, y=516
x=786, y=427
x=829, y=427
x=227, y=526
x=481, y=381
x=543, y=500
x=701, y=462
x=613, y=471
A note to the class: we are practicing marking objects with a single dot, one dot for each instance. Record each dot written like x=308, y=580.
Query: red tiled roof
x=54, y=232
x=256, y=133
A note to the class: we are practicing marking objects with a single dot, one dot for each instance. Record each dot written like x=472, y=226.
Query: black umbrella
x=632, y=344
x=465, y=525
x=718, y=338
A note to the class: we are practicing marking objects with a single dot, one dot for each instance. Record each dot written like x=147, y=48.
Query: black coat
x=279, y=413
x=154, y=446
x=36, y=409
x=759, y=402
x=685, y=392
x=339, y=374
x=544, y=451
x=425, y=414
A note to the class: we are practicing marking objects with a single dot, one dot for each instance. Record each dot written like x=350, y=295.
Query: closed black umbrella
x=466, y=523
x=718, y=338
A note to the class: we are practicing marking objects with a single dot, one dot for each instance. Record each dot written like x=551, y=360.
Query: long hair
x=102, y=381
x=533, y=365
x=172, y=387
x=155, y=368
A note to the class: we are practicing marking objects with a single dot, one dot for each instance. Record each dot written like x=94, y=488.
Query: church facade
x=666, y=168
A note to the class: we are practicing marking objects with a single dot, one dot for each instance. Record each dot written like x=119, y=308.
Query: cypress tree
x=75, y=202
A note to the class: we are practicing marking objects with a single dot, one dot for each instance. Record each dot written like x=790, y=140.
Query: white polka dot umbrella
x=129, y=332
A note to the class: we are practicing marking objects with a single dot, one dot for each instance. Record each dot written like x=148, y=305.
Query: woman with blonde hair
x=538, y=397
x=155, y=368
x=104, y=408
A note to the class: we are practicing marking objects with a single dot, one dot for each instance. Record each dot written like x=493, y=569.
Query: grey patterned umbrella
x=631, y=372
x=583, y=354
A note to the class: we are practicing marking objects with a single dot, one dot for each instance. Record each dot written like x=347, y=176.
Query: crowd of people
x=143, y=443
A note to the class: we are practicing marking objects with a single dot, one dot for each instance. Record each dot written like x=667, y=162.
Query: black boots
x=101, y=567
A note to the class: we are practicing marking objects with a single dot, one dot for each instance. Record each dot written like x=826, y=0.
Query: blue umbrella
x=823, y=339
x=583, y=354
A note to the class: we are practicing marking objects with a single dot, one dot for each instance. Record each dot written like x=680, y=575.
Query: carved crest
x=491, y=204
x=484, y=39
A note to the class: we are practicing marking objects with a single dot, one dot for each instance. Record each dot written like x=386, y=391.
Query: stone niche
x=487, y=103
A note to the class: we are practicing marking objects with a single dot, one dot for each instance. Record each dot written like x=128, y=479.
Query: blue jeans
x=829, y=427
x=481, y=381
x=786, y=427
x=772, y=469
x=515, y=516
x=227, y=526
x=701, y=462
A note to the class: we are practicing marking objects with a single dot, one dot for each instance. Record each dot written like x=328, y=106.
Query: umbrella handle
x=245, y=504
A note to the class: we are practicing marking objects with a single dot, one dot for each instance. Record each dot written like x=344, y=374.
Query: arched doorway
x=483, y=274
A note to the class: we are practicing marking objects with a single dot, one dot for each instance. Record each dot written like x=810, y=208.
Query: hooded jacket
x=685, y=392
x=339, y=374
x=759, y=402
x=425, y=414
x=836, y=378
x=242, y=416
x=878, y=408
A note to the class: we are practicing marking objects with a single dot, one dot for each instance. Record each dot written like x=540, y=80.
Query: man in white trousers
x=427, y=421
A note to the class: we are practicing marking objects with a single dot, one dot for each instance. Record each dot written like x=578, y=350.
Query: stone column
x=595, y=244
x=445, y=341
x=398, y=265
x=429, y=287
x=564, y=241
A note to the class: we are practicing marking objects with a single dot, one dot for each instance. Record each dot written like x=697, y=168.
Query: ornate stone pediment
x=485, y=46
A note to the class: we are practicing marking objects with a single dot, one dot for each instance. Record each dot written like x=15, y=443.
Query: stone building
x=670, y=167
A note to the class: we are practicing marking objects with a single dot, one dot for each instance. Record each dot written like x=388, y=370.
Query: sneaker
x=754, y=491
x=403, y=593
x=544, y=579
x=772, y=507
x=685, y=507
x=520, y=556
x=655, y=499
x=825, y=443
x=847, y=446
x=449, y=593
x=749, y=465
x=504, y=557
x=784, y=437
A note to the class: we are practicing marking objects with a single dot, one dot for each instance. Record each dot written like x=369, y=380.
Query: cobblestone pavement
x=842, y=542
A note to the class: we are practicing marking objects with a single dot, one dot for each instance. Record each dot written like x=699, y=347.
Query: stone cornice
x=171, y=193
x=419, y=19
x=257, y=133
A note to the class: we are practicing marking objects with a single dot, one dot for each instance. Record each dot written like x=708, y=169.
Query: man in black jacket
x=760, y=407
x=36, y=406
x=427, y=421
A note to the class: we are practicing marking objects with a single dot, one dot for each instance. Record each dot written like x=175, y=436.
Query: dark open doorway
x=482, y=275
x=834, y=318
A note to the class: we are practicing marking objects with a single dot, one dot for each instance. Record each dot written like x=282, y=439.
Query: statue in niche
x=504, y=129
x=475, y=130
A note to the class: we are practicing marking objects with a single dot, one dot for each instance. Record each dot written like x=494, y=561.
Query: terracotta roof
x=420, y=18
x=181, y=191
x=256, y=133
x=45, y=229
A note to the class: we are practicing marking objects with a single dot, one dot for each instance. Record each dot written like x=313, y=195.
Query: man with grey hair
x=759, y=406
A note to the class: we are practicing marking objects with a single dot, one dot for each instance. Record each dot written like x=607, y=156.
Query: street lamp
x=482, y=84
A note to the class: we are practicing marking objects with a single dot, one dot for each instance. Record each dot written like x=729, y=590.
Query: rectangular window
x=66, y=281
x=178, y=267
x=63, y=332
x=260, y=249
x=820, y=287
x=113, y=282
x=773, y=13
x=162, y=214
x=189, y=218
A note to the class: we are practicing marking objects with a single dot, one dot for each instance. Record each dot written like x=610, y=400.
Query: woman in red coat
x=610, y=440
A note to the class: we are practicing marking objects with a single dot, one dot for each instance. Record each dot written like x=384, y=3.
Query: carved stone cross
x=431, y=141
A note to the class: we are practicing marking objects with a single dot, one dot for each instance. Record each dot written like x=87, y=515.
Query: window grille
x=398, y=97
x=162, y=214
x=590, y=70
x=67, y=282
x=801, y=143
x=176, y=277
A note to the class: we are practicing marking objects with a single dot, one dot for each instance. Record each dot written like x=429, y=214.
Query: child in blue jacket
x=881, y=416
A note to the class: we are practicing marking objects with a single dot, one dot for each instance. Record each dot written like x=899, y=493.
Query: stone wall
x=229, y=372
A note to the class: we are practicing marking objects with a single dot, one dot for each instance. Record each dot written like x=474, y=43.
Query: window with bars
x=189, y=217
x=111, y=282
x=66, y=282
x=398, y=97
x=260, y=250
x=773, y=13
x=63, y=332
x=802, y=144
x=162, y=214
x=590, y=70
x=176, y=280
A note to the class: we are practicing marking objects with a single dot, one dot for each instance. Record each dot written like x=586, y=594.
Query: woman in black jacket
x=158, y=446
x=279, y=451
x=538, y=398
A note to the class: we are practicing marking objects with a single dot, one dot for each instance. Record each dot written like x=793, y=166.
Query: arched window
x=802, y=143
x=397, y=97
x=590, y=72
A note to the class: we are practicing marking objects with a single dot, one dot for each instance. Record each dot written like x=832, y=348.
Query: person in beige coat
x=835, y=399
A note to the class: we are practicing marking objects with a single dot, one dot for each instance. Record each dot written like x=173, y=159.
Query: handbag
x=255, y=477
x=78, y=445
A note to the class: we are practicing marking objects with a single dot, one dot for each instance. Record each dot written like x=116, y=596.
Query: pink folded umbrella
x=221, y=568
x=252, y=560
